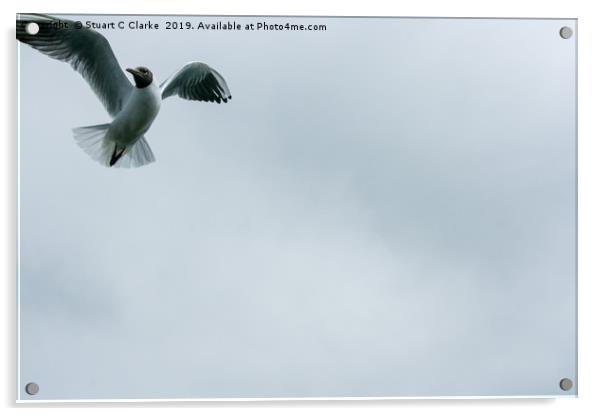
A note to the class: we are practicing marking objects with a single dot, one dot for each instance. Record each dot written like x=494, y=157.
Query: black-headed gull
x=120, y=143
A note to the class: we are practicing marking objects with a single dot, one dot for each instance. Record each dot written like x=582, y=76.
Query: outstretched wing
x=86, y=50
x=196, y=81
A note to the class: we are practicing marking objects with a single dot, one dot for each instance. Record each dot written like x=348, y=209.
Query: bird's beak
x=132, y=71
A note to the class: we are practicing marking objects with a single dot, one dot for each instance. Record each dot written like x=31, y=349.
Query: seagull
x=132, y=107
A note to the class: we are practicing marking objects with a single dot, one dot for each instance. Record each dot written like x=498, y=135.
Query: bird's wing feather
x=196, y=81
x=86, y=50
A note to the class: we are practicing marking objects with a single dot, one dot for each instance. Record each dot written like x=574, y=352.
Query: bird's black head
x=143, y=77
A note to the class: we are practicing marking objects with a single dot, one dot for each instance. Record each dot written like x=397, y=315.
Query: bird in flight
x=133, y=108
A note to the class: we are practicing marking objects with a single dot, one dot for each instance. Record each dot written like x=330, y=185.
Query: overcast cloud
x=386, y=208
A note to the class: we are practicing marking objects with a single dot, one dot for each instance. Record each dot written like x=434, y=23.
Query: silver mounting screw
x=566, y=32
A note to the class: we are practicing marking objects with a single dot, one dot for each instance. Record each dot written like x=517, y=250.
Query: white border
x=32, y=399
x=299, y=399
x=18, y=225
x=590, y=202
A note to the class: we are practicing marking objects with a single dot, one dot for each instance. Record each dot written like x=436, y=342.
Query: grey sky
x=386, y=208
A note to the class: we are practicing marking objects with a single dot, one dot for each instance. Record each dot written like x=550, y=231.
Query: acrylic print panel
x=385, y=207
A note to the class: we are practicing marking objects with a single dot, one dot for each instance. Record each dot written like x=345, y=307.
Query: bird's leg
x=117, y=153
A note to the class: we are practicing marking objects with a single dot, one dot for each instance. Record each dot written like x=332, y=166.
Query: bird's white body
x=136, y=117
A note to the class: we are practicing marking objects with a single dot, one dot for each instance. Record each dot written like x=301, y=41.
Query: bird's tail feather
x=93, y=141
x=139, y=154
